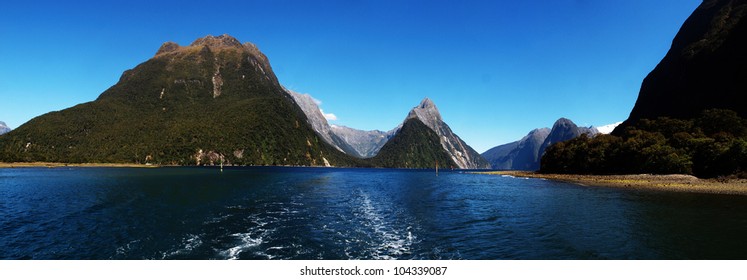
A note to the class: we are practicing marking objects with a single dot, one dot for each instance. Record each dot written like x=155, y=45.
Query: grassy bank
x=680, y=183
x=57, y=164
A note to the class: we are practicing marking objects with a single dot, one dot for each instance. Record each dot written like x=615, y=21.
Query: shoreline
x=60, y=164
x=673, y=183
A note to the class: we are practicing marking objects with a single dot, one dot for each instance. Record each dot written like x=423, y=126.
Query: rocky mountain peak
x=222, y=51
x=563, y=122
x=427, y=103
x=428, y=113
x=168, y=47
x=212, y=43
x=217, y=42
x=563, y=130
x=462, y=155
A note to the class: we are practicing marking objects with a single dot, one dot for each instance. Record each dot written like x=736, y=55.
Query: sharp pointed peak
x=426, y=103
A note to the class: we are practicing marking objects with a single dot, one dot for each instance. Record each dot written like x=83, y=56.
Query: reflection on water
x=326, y=213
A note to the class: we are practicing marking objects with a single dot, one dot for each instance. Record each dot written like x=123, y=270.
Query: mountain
x=354, y=142
x=704, y=68
x=415, y=145
x=607, y=129
x=425, y=121
x=216, y=100
x=319, y=123
x=563, y=130
x=365, y=143
x=526, y=153
x=691, y=112
x=520, y=155
x=4, y=128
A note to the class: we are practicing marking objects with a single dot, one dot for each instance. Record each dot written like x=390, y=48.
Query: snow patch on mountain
x=607, y=129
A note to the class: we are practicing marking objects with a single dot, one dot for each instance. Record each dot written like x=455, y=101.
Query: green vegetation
x=201, y=105
x=712, y=145
x=164, y=112
x=414, y=146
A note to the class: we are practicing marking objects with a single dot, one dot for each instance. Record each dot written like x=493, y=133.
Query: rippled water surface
x=320, y=213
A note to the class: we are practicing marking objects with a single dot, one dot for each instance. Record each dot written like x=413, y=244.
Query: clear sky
x=495, y=69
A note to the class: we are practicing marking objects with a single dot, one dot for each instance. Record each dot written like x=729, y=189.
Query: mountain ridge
x=518, y=155
x=218, y=101
x=367, y=144
x=703, y=69
x=213, y=101
x=526, y=153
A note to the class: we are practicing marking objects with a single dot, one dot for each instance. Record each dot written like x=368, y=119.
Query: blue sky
x=495, y=69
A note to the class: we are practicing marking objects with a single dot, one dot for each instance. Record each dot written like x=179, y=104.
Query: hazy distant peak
x=365, y=143
x=4, y=128
x=544, y=130
x=537, y=132
x=526, y=153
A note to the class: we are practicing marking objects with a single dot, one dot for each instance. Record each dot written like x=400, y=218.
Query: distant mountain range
x=526, y=153
x=405, y=148
x=218, y=101
x=365, y=143
x=4, y=128
x=354, y=142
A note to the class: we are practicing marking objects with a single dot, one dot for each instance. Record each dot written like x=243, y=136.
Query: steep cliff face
x=214, y=100
x=320, y=125
x=705, y=68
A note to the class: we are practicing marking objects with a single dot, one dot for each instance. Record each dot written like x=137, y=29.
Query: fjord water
x=327, y=213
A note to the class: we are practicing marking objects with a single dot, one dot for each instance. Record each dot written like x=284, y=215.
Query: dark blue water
x=316, y=213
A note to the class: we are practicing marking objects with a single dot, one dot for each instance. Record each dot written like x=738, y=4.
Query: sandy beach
x=675, y=182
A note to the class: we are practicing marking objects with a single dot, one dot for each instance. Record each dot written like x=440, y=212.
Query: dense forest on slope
x=414, y=146
x=712, y=145
x=703, y=69
x=213, y=101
